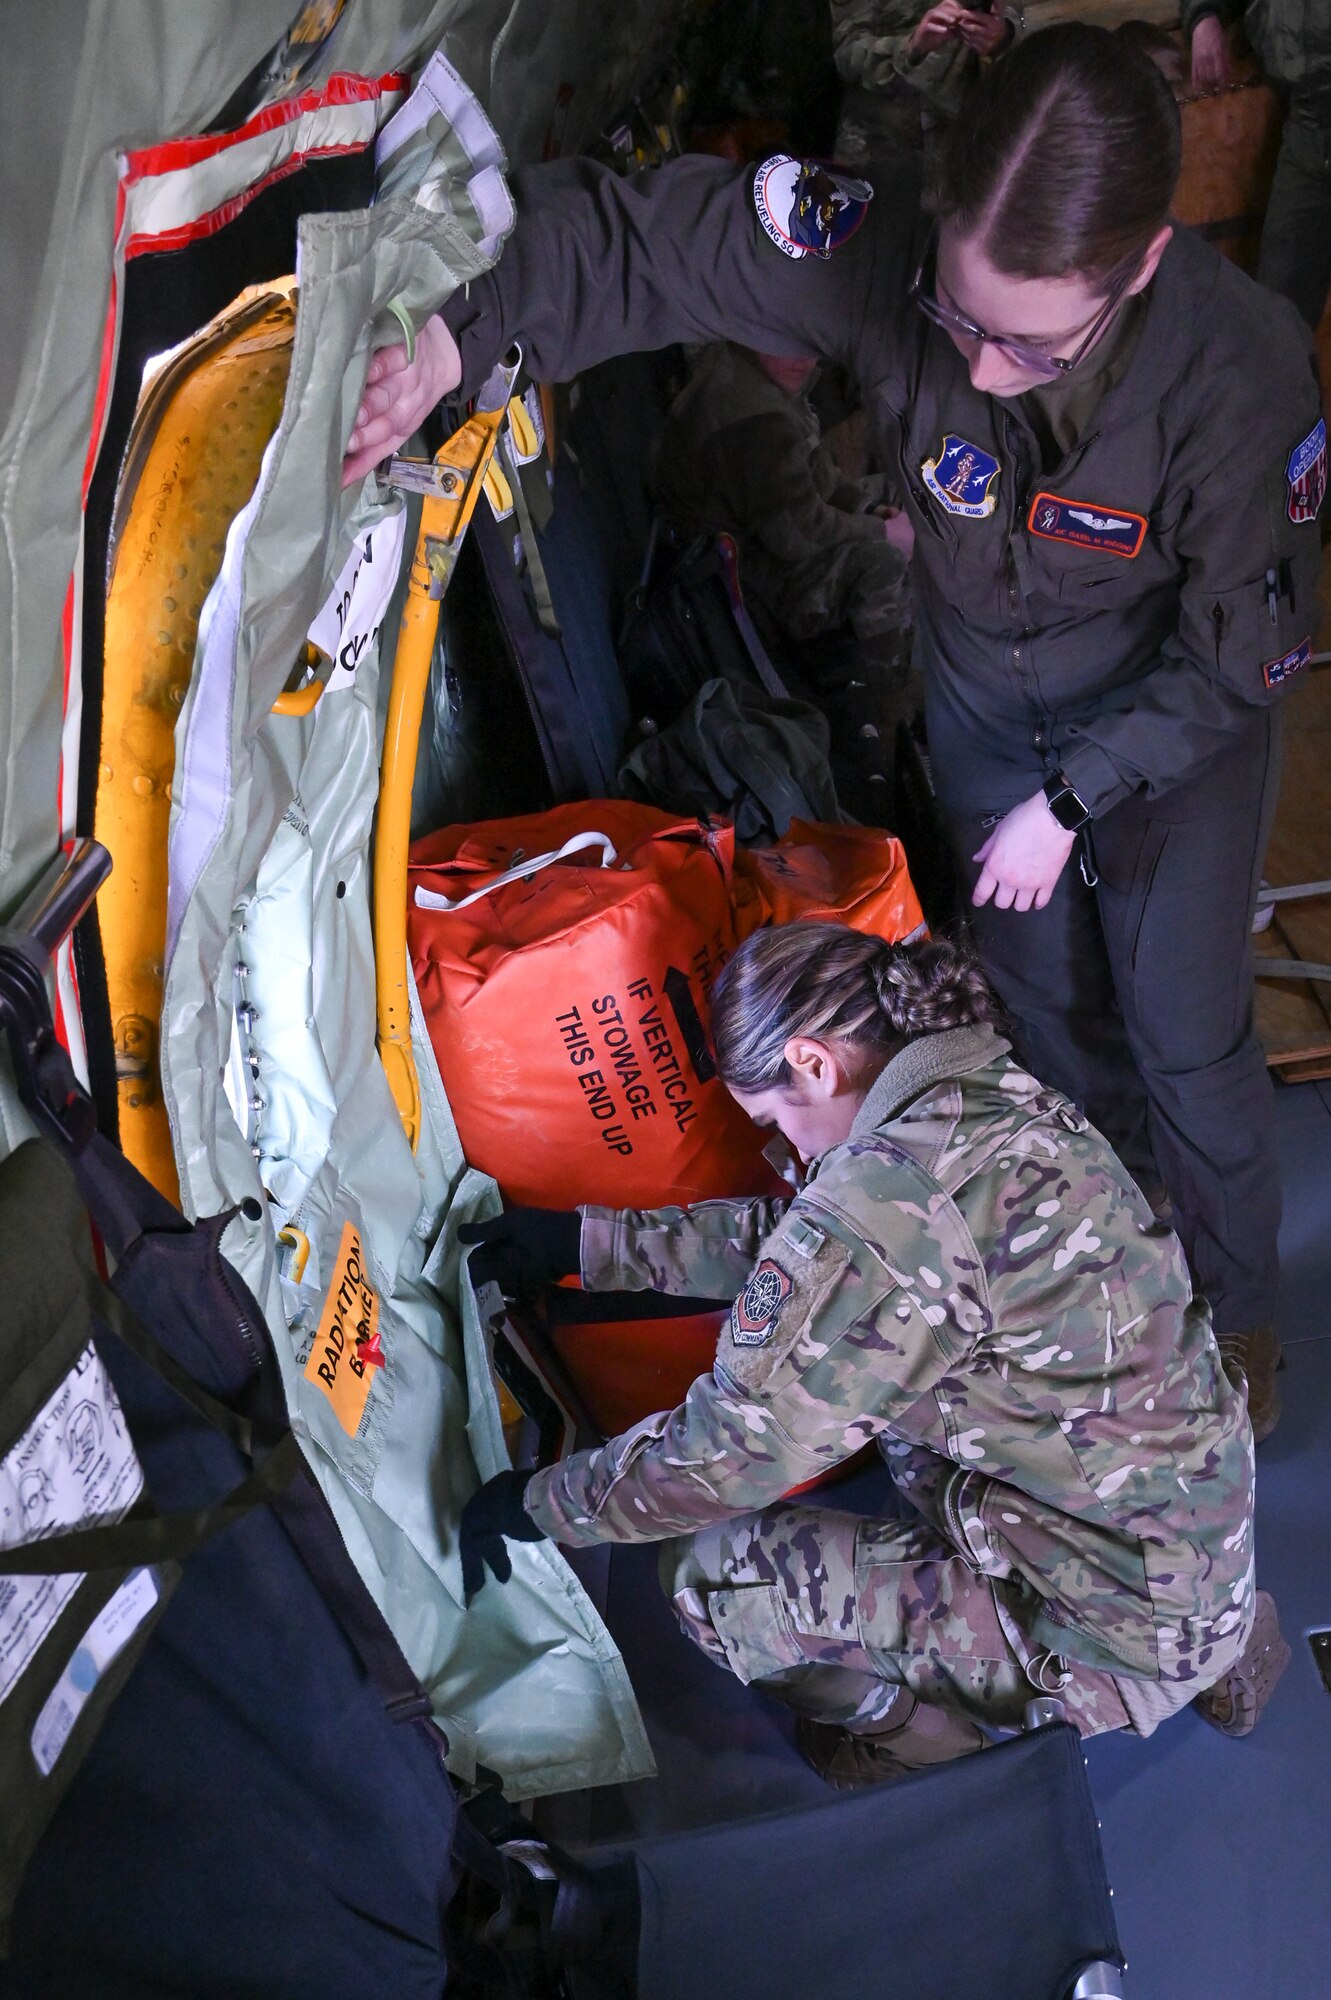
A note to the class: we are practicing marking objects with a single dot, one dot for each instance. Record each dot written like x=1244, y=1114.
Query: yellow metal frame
x=194, y=454
x=460, y=470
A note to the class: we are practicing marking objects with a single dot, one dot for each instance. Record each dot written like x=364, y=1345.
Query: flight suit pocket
x=1256, y=655
x=1082, y=579
x=927, y=514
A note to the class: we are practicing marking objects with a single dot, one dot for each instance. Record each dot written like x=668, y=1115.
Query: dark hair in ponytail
x=830, y=981
x=1065, y=159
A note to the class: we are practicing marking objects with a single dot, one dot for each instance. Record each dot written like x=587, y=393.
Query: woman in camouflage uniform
x=969, y=1278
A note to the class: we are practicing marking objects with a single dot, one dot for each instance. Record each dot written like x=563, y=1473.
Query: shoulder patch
x=1284, y=669
x=1305, y=475
x=807, y=209
x=754, y=1313
x=1087, y=525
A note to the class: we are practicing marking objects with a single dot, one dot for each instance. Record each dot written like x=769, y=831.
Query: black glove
x=524, y=1249
x=493, y=1511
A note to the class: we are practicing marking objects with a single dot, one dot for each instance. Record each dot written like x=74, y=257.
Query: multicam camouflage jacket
x=1290, y=38
x=973, y=1281
x=870, y=47
x=741, y=454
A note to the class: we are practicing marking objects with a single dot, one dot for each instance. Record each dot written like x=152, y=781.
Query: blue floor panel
x=1219, y=1852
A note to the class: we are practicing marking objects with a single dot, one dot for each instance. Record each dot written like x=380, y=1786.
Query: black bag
x=736, y=754
x=687, y=625
x=240, y=1782
x=261, y=1804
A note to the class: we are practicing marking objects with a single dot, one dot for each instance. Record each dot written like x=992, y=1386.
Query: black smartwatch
x=1064, y=804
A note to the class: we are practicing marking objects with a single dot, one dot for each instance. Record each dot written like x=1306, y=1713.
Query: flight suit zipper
x=1016, y=595
x=1015, y=442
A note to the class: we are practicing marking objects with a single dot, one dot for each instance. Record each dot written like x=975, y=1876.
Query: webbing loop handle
x=430, y=899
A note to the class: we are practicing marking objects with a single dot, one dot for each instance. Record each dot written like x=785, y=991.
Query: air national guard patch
x=1306, y=473
x=753, y=1315
x=1285, y=668
x=1086, y=525
x=806, y=209
x=963, y=478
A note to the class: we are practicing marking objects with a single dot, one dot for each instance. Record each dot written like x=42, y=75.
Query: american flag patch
x=1306, y=473
x=1276, y=671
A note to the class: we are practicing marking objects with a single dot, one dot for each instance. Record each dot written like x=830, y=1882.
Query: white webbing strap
x=429, y=899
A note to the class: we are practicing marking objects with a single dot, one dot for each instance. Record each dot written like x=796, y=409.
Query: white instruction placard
x=115, y=1624
x=73, y=1465
x=350, y=618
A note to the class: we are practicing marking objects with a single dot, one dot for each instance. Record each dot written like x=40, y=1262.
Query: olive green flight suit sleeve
x=1250, y=592
x=703, y=1252
x=821, y=1351
x=600, y=265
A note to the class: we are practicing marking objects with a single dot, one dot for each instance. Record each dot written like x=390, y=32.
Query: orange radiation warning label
x=346, y=1347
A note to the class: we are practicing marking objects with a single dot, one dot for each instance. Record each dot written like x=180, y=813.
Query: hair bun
x=813, y=977
x=931, y=986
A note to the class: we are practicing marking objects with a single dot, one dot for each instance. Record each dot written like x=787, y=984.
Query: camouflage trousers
x=834, y=1613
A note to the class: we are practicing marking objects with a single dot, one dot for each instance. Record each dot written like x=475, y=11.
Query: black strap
x=540, y=582
x=155, y=1538
x=237, y=1430
x=308, y=1519
x=120, y=1201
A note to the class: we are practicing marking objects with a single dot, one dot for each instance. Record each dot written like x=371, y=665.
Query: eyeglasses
x=1023, y=352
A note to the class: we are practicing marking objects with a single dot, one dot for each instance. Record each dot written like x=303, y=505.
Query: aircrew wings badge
x=753, y=1314
x=963, y=478
x=1306, y=474
x=806, y=209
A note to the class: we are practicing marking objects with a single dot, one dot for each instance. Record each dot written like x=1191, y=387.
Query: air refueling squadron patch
x=1285, y=668
x=963, y=477
x=1086, y=525
x=753, y=1315
x=807, y=209
x=1306, y=473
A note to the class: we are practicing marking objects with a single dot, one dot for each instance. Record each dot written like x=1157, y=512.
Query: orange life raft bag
x=842, y=874
x=567, y=985
x=563, y=963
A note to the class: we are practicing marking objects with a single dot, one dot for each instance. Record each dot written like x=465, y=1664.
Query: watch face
x=1068, y=810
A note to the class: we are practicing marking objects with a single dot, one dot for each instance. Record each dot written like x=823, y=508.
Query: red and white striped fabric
x=186, y=188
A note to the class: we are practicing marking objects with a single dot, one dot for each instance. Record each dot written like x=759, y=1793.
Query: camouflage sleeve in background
x=816, y=1360
x=780, y=484
x=1290, y=38
x=703, y=1252
x=870, y=41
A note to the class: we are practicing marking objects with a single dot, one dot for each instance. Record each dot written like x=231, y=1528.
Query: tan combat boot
x=1256, y=1355
x=915, y=1736
x=1233, y=1705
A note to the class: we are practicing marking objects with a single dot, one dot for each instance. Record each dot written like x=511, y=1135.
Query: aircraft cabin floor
x=1219, y=1852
